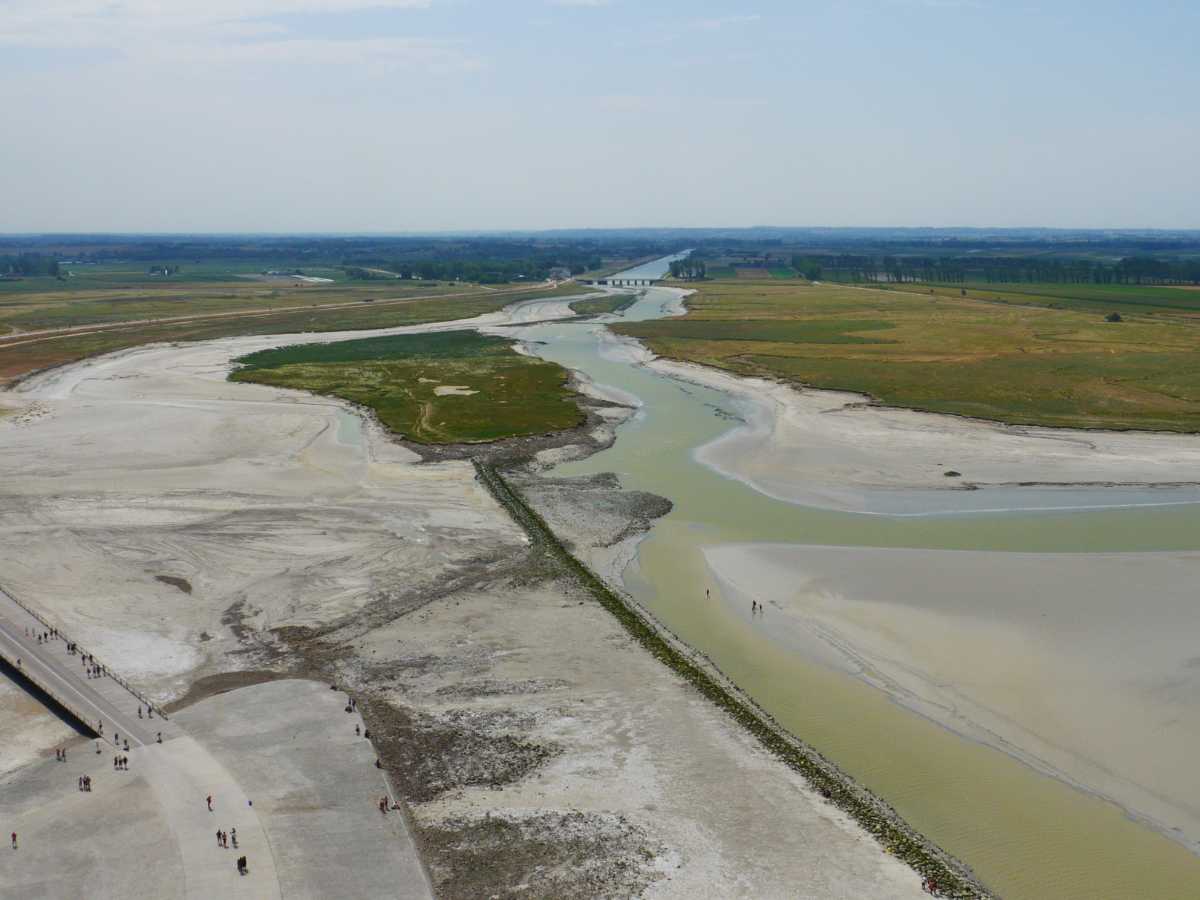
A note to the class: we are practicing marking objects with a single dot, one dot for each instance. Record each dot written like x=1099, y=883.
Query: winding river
x=1027, y=834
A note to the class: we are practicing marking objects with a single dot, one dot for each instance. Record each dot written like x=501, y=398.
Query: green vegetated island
x=1119, y=356
x=440, y=388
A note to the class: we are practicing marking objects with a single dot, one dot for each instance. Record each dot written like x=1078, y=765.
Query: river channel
x=1026, y=834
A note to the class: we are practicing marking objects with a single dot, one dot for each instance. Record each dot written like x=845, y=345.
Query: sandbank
x=837, y=450
x=1081, y=665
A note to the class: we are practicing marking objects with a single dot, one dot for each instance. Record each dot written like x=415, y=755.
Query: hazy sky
x=395, y=115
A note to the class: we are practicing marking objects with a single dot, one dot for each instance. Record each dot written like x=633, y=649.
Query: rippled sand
x=1085, y=666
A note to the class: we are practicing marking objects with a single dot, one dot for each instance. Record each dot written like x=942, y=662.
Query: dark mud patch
x=594, y=510
x=223, y=683
x=489, y=688
x=547, y=856
x=176, y=582
x=427, y=756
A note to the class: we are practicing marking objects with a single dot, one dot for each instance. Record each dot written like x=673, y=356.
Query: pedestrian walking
x=357, y=730
x=218, y=837
x=159, y=738
x=209, y=801
x=139, y=711
x=233, y=837
x=14, y=840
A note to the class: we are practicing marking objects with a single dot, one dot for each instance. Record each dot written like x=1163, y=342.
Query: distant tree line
x=808, y=266
x=1146, y=270
x=689, y=269
x=482, y=271
x=29, y=264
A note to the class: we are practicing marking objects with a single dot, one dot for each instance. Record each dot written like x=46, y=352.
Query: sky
x=422, y=115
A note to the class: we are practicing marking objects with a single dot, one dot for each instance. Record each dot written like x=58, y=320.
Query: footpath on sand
x=311, y=828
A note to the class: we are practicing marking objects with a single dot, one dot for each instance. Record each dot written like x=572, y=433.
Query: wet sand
x=1083, y=666
x=835, y=450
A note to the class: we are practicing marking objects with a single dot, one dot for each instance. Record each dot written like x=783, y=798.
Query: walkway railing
x=104, y=667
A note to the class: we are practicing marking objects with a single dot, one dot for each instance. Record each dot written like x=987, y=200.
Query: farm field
x=19, y=356
x=1026, y=364
x=55, y=306
x=440, y=388
x=1110, y=297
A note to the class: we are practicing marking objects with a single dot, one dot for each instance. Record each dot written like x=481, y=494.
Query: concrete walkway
x=311, y=829
x=103, y=703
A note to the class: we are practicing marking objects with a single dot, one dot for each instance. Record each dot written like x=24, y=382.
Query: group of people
x=85, y=783
x=121, y=762
x=61, y=754
x=226, y=839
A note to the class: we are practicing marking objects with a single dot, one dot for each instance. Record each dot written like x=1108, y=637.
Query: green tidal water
x=1025, y=834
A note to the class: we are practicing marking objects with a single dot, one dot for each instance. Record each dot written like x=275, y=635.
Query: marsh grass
x=1020, y=364
x=444, y=388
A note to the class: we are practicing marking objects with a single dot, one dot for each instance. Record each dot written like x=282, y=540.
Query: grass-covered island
x=441, y=388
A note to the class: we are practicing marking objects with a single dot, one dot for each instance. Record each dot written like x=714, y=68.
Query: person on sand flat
x=209, y=800
x=14, y=840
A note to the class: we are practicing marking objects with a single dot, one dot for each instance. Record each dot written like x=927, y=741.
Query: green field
x=1113, y=297
x=946, y=353
x=55, y=307
x=17, y=359
x=447, y=388
x=609, y=303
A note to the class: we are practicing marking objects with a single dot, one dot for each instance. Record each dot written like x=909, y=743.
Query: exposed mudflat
x=541, y=751
x=1082, y=665
x=837, y=450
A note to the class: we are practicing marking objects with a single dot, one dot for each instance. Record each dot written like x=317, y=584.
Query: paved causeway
x=280, y=761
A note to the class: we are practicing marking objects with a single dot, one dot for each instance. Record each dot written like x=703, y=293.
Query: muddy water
x=1027, y=835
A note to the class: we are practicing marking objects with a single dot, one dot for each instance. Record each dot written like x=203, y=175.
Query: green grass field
x=452, y=387
x=1111, y=297
x=17, y=359
x=608, y=303
x=58, y=308
x=946, y=353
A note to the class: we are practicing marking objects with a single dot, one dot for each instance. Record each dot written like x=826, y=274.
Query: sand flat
x=836, y=450
x=1082, y=665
